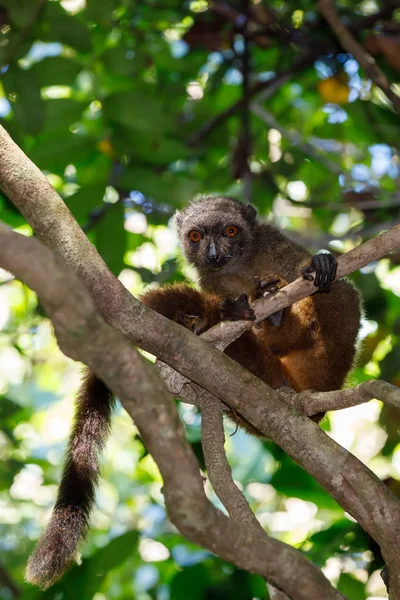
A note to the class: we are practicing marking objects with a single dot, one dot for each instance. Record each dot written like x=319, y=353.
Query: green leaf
x=59, y=26
x=195, y=578
x=23, y=89
x=100, y=12
x=165, y=187
x=55, y=70
x=61, y=113
x=351, y=587
x=111, y=238
x=85, y=200
x=292, y=481
x=20, y=12
x=54, y=151
x=137, y=110
x=120, y=61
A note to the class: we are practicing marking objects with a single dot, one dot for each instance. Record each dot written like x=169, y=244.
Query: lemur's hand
x=267, y=286
x=325, y=266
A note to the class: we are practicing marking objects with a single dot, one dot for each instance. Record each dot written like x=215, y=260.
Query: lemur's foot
x=265, y=287
x=236, y=310
x=194, y=323
x=325, y=266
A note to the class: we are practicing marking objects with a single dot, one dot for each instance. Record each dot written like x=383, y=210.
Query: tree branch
x=311, y=403
x=83, y=335
x=219, y=471
x=349, y=43
x=296, y=139
x=218, y=468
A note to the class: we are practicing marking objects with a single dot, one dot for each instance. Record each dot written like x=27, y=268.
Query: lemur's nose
x=213, y=255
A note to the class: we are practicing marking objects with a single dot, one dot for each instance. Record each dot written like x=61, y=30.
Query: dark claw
x=325, y=266
x=237, y=310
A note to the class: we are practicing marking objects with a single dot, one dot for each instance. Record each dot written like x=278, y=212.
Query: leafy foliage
x=115, y=102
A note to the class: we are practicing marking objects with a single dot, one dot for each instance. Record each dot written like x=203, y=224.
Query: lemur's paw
x=267, y=286
x=325, y=266
x=236, y=310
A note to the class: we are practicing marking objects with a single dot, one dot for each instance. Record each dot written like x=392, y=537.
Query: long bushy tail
x=57, y=549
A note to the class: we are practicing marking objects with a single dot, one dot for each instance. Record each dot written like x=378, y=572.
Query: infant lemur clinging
x=309, y=345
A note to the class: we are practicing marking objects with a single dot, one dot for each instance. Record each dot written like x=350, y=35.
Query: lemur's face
x=215, y=233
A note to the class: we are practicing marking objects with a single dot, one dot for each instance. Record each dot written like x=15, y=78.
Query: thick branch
x=349, y=43
x=83, y=335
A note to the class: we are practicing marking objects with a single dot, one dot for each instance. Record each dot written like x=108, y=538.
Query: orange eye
x=231, y=231
x=195, y=235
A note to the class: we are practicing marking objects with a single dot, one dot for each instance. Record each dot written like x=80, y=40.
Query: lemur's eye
x=195, y=235
x=231, y=231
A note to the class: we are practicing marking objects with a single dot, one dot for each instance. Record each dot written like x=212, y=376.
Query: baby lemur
x=309, y=345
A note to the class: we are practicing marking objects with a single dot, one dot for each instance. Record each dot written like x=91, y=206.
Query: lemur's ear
x=250, y=214
x=178, y=218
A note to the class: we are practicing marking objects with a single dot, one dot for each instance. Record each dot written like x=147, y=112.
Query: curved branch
x=218, y=468
x=220, y=474
x=83, y=335
x=311, y=403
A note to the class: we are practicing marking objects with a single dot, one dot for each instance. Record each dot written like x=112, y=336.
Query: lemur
x=309, y=345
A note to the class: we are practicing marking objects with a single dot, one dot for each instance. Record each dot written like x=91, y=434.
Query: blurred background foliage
x=131, y=108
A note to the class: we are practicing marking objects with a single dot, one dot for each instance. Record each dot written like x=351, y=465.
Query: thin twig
x=273, y=84
x=349, y=43
x=218, y=468
x=312, y=403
